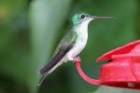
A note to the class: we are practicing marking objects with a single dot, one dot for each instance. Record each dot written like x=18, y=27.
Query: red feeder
x=122, y=70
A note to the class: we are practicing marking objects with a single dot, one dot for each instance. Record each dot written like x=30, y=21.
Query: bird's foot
x=77, y=59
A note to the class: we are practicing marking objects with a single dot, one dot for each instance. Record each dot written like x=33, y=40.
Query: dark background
x=31, y=29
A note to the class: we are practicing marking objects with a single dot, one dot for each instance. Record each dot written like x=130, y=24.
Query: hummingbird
x=71, y=44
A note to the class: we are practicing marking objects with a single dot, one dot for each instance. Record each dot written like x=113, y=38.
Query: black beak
x=99, y=17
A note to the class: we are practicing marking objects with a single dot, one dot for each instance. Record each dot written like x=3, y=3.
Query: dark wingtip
x=46, y=68
x=41, y=71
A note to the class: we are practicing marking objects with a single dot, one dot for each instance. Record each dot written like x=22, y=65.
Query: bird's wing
x=65, y=45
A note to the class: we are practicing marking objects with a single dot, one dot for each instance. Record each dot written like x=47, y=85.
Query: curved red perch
x=122, y=70
x=84, y=76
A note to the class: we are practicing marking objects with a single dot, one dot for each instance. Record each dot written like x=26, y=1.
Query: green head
x=79, y=18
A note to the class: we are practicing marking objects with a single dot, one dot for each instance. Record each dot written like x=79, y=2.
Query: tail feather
x=42, y=79
x=44, y=75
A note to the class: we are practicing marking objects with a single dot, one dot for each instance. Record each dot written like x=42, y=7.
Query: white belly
x=78, y=47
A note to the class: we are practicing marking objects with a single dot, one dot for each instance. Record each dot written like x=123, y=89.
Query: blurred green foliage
x=30, y=30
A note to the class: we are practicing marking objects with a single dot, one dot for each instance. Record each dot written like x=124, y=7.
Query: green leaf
x=46, y=19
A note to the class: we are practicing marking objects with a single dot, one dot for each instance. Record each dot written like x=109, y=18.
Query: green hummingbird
x=71, y=44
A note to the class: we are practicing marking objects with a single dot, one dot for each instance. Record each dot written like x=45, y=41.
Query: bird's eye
x=82, y=16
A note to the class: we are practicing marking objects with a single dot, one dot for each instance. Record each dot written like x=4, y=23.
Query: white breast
x=82, y=31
